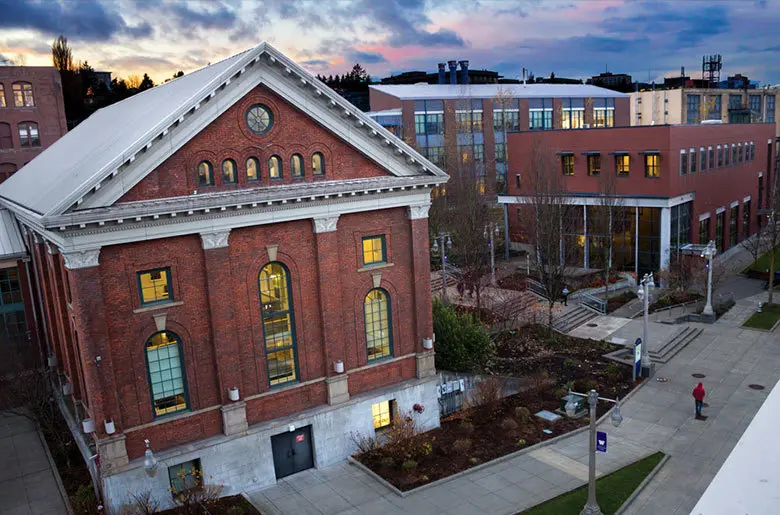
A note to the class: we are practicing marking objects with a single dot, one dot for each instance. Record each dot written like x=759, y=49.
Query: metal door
x=292, y=452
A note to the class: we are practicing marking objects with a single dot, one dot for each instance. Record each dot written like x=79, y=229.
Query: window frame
x=9, y=138
x=592, y=160
x=299, y=159
x=683, y=162
x=389, y=315
x=182, y=365
x=710, y=158
x=3, y=103
x=198, y=466
x=257, y=169
x=383, y=239
x=391, y=409
x=720, y=156
x=168, y=282
x=211, y=173
x=232, y=163
x=702, y=159
x=321, y=157
x=290, y=311
x=692, y=161
x=23, y=92
x=278, y=160
x=656, y=167
x=625, y=166
x=27, y=126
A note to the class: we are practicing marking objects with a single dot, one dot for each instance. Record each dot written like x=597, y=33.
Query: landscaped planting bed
x=550, y=362
x=673, y=299
x=765, y=320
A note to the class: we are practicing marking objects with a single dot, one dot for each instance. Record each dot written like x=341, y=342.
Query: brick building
x=464, y=127
x=234, y=266
x=32, y=114
x=675, y=185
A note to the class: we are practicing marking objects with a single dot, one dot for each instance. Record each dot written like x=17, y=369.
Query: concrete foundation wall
x=245, y=462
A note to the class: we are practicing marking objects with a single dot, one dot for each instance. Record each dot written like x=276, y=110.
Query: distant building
x=615, y=81
x=32, y=114
x=738, y=81
x=103, y=78
x=449, y=74
x=552, y=79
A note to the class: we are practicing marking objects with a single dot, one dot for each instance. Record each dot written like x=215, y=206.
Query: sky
x=573, y=38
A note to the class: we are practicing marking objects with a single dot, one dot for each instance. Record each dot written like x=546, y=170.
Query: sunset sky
x=575, y=38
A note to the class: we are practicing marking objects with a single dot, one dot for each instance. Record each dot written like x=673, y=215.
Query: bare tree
x=61, y=54
x=605, y=221
x=549, y=211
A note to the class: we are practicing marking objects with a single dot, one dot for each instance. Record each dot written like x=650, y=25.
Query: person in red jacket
x=698, y=396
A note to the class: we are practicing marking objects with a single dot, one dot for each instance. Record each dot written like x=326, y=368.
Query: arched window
x=278, y=326
x=23, y=94
x=379, y=332
x=165, y=366
x=252, y=169
x=28, y=135
x=275, y=167
x=6, y=142
x=205, y=174
x=2, y=96
x=296, y=165
x=317, y=164
x=229, y=172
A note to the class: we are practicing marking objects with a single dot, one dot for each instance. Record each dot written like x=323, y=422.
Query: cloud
x=216, y=15
x=367, y=57
x=89, y=20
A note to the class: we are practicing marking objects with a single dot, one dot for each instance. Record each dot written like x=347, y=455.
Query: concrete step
x=675, y=344
x=569, y=321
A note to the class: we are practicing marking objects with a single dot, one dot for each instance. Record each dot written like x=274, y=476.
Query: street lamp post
x=491, y=229
x=592, y=506
x=645, y=286
x=709, y=253
x=446, y=243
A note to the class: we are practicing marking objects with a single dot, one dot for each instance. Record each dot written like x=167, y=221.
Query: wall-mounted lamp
x=233, y=394
x=338, y=367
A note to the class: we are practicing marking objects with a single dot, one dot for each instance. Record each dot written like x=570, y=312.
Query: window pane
x=373, y=250
x=378, y=330
x=275, y=167
x=165, y=373
x=154, y=286
x=228, y=171
x=2, y=96
x=317, y=164
x=281, y=367
x=296, y=166
x=622, y=163
x=252, y=169
x=594, y=165
x=279, y=337
x=382, y=414
x=205, y=176
x=185, y=476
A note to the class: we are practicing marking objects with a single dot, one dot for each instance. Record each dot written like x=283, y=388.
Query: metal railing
x=537, y=287
x=593, y=302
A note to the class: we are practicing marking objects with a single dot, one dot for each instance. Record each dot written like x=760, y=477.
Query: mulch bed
x=673, y=299
x=231, y=505
x=516, y=281
x=618, y=301
x=484, y=433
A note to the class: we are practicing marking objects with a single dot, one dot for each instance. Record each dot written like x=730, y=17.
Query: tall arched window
x=317, y=164
x=28, y=135
x=6, y=142
x=296, y=165
x=205, y=174
x=23, y=94
x=2, y=96
x=252, y=169
x=379, y=332
x=278, y=326
x=165, y=366
x=229, y=175
x=275, y=167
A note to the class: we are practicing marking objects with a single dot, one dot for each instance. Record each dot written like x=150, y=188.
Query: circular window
x=259, y=119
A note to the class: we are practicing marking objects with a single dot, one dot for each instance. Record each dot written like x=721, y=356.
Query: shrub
x=570, y=363
x=388, y=462
x=509, y=425
x=364, y=444
x=467, y=427
x=409, y=465
x=487, y=391
x=84, y=501
x=613, y=371
x=141, y=503
x=523, y=414
x=462, y=343
x=584, y=385
x=462, y=445
x=473, y=461
x=521, y=442
x=236, y=510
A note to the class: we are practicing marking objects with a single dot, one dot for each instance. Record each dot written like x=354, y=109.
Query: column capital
x=75, y=260
x=215, y=240
x=325, y=224
x=52, y=248
x=419, y=211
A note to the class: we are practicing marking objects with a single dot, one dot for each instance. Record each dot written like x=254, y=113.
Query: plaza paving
x=27, y=484
x=658, y=416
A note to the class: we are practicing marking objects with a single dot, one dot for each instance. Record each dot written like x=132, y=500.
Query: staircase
x=572, y=319
x=675, y=344
x=452, y=281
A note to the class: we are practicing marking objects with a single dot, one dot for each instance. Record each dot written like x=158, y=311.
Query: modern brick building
x=234, y=266
x=32, y=114
x=465, y=127
x=675, y=185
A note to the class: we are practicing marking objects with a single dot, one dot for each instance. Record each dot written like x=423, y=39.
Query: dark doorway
x=292, y=452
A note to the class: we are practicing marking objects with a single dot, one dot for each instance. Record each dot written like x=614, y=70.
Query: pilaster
x=426, y=364
x=234, y=418
x=338, y=389
x=421, y=266
x=113, y=453
x=328, y=271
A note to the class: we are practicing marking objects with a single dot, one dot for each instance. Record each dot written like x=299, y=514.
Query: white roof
x=748, y=482
x=385, y=112
x=92, y=156
x=459, y=91
x=11, y=245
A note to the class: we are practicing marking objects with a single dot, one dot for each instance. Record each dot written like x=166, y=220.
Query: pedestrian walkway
x=657, y=417
x=27, y=484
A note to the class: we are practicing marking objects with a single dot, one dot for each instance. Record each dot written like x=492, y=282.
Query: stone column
x=331, y=311
x=666, y=237
x=421, y=263
x=223, y=332
x=95, y=354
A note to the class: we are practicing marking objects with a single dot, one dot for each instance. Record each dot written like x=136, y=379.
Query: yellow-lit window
x=652, y=165
x=382, y=413
x=567, y=164
x=155, y=285
x=165, y=366
x=278, y=325
x=2, y=96
x=374, y=250
x=379, y=332
x=252, y=169
x=622, y=163
x=481, y=185
x=594, y=164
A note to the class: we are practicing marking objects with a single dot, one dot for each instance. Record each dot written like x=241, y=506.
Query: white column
x=586, y=249
x=666, y=236
x=636, y=243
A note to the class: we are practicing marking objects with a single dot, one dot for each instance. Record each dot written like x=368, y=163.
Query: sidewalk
x=658, y=416
x=27, y=484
